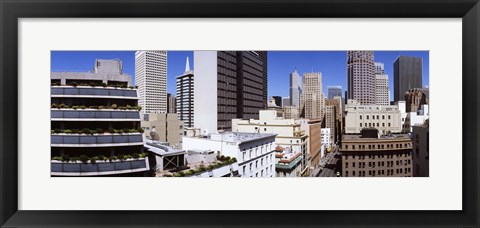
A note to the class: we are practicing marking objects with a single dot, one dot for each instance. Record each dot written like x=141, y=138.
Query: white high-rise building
x=151, y=79
x=296, y=88
x=382, y=91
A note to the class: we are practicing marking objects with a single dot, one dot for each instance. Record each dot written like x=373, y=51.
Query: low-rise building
x=385, y=118
x=287, y=162
x=288, y=132
x=313, y=128
x=164, y=127
x=254, y=152
x=370, y=154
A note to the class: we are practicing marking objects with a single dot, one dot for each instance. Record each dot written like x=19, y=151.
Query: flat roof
x=393, y=137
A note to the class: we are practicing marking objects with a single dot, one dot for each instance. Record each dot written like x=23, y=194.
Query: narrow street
x=329, y=164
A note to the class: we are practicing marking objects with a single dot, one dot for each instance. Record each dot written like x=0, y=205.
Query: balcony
x=78, y=168
x=97, y=92
x=96, y=140
x=94, y=115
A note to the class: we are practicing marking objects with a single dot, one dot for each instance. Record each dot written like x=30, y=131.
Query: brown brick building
x=368, y=155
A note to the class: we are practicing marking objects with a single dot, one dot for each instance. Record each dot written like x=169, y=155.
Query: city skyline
x=332, y=65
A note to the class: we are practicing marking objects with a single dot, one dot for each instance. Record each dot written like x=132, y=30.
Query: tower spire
x=187, y=66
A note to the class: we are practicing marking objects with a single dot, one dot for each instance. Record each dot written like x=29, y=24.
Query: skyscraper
x=334, y=91
x=295, y=88
x=228, y=85
x=151, y=79
x=382, y=91
x=407, y=74
x=171, y=103
x=361, y=76
x=185, y=96
x=312, y=98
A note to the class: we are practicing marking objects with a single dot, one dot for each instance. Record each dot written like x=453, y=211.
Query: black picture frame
x=11, y=11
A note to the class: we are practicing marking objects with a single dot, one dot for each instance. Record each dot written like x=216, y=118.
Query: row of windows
x=380, y=164
x=380, y=172
x=378, y=125
x=380, y=146
x=373, y=117
x=262, y=173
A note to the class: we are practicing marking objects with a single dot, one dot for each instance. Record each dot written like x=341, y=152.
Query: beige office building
x=291, y=112
x=338, y=119
x=163, y=127
x=361, y=76
x=385, y=118
x=312, y=102
x=330, y=121
x=382, y=92
x=369, y=155
x=288, y=131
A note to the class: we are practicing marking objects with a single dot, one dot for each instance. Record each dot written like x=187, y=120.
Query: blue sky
x=332, y=64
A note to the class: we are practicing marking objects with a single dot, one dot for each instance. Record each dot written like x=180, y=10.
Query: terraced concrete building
x=95, y=123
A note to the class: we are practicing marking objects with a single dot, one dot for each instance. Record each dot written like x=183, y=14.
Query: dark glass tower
x=407, y=74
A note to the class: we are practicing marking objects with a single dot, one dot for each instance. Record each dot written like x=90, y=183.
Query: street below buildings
x=329, y=164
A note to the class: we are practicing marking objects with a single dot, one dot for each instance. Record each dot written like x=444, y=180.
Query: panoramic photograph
x=156, y=113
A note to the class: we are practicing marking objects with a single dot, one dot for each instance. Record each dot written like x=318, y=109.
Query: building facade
x=337, y=120
x=288, y=133
x=291, y=112
x=151, y=79
x=313, y=129
x=229, y=85
x=370, y=156
x=361, y=76
x=95, y=123
x=331, y=120
x=171, y=103
x=407, y=74
x=185, y=96
x=285, y=101
x=163, y=127
x=382, y=91
x=334, y=91
x=415, y=98
x=254, y=152
x=295, y=88
x=384, y=118
x=421, y=150
x=312, y=102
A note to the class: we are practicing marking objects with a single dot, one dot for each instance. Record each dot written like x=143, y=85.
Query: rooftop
x=238, y=136
x=160, y=148
x=391, y=137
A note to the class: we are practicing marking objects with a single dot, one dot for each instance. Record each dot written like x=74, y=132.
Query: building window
x=388, y=116
x=367, y=117
x=360, y=124
x=360, y=116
